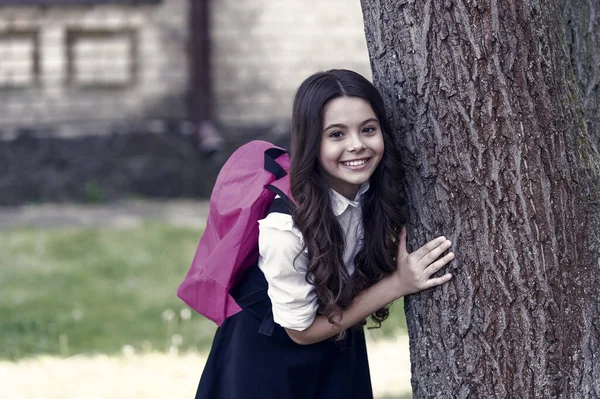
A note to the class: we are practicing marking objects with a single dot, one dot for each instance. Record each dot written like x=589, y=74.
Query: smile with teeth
x=357, y=162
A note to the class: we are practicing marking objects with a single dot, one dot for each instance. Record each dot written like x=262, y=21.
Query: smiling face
x=351, y=144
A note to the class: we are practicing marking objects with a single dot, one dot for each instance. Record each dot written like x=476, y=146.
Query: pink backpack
x=242, y=195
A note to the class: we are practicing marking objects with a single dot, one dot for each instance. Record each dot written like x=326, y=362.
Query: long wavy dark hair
x=382, y=205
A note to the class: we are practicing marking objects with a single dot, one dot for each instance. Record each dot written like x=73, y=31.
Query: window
x=19, y=59
x=101, y=59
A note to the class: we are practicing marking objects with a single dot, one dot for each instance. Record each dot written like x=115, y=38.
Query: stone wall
x=93, y=62
x=150, y=160
x=93, y=98
x=124, y=62
x=35, y=168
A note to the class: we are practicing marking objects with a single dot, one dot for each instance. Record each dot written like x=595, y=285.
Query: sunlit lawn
x=71, y=291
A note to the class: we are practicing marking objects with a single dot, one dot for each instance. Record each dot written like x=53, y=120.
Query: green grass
x=71, y=291
x=95, y=290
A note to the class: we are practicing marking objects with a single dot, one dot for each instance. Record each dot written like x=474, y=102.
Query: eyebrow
x=342, y=126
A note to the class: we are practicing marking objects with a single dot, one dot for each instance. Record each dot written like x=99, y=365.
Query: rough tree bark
x=490, y=125
x=581, y=19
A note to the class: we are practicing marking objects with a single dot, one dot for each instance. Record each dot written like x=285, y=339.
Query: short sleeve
x=294, y=300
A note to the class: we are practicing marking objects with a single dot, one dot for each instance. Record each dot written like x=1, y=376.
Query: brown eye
x=369, y=130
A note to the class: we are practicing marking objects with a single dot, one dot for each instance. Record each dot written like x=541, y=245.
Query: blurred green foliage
x=100, y=290
x=94, y=193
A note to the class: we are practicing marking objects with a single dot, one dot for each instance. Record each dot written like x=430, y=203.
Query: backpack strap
x=271, y=164
x=281, y=205
x=281, y=185
x=252, y=291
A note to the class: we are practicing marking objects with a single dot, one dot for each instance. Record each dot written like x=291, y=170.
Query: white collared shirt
x=294, y=299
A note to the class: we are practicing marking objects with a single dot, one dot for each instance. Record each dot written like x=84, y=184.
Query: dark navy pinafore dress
x=252, y=357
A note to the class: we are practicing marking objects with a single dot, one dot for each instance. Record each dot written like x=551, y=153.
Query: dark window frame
x=34, y=36
x=74, y=34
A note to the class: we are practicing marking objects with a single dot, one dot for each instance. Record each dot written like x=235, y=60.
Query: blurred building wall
x=93, y=62
x=263, y=49
x=75, y=77
x=115, y=61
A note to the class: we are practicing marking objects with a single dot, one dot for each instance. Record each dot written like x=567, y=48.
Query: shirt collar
x=339, y=203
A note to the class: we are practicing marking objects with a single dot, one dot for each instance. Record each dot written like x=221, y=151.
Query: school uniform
x=252, y=356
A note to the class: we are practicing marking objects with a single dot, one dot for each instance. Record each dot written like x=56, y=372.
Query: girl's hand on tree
x=414, y=270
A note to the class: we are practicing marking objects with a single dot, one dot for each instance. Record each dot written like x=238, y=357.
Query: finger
x=436, y=252
x=425, y=249
x=437, y=265
x=434, y=282
x=402, y=242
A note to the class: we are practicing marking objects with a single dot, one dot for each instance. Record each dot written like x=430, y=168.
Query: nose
x=356, y=143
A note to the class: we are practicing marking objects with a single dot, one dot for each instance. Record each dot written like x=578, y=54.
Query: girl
x=338, y=257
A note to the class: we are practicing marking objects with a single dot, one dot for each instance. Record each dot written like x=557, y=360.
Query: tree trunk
x=581, y=20
x=490, y=125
